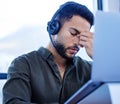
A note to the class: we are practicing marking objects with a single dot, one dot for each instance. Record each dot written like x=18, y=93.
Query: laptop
x=106, y=64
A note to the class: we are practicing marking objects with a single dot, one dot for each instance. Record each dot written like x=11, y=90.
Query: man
x=53, y=74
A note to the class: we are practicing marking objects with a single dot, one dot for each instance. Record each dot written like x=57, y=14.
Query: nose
x=76, y=39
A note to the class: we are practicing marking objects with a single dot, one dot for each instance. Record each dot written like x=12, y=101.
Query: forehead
x=78, y=23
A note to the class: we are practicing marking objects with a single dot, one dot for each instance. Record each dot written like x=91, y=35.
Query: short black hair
x=70, y=8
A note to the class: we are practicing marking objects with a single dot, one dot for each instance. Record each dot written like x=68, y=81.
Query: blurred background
x=23, y=26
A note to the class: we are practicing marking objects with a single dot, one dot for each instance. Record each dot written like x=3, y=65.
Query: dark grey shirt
x=34, y=78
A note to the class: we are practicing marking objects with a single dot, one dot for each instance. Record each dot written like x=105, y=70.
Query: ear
x=53, y=27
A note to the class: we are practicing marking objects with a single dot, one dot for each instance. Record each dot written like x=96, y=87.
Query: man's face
x=68, y=38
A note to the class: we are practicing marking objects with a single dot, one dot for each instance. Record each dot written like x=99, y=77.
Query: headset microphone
x=53, y=28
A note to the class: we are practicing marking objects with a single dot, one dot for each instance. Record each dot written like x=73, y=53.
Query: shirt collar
x=45, y=53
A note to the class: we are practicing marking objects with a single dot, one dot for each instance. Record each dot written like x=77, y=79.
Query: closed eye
x=74, y=32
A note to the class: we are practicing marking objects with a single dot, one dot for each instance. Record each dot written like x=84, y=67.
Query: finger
x=83, y=38
x=85, y=41
x=87, y=34
x=82, y=44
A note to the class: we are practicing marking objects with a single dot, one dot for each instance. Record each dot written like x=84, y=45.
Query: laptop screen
x=106, y=65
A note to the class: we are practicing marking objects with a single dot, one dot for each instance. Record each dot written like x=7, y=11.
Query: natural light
x=23, y=27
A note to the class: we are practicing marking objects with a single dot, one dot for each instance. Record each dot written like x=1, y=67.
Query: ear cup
x=53, y=27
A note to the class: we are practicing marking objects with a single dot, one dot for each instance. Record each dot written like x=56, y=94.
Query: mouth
x=73, y=50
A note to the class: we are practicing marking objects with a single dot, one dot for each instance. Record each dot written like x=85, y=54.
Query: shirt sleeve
x=17, y=89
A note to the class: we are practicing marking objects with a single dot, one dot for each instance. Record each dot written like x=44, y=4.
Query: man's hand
x=86, y=40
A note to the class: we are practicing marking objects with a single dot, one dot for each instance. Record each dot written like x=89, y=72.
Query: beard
x=60, y=48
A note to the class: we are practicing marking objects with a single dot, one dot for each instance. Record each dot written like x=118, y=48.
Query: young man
x=53, y=74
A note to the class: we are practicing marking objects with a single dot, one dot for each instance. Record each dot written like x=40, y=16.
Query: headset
x=53, y=26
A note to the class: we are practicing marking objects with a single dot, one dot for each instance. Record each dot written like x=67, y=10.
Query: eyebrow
x=75, y=30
